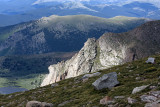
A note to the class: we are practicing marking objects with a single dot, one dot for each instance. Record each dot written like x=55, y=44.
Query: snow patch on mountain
x=75, y=5
x=122, y=2
x=139, y=9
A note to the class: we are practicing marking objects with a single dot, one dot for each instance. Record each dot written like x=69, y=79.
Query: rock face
x=106, y=81
x=79, y=64
x=109, y=50
x=38, y=104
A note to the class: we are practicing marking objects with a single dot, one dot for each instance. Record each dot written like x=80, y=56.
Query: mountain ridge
x=60, y=33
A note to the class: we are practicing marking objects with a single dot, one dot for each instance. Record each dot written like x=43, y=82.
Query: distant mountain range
x=17, y=11
x=60, y=33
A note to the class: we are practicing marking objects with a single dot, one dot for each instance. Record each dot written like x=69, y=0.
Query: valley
x=28, y=71
x=79, y=53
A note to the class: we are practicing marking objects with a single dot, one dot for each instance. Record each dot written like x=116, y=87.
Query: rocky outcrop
x=79, y=64
x=95, y=55
x=109, y=50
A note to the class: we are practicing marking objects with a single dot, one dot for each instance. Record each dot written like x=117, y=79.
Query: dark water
x=9, y=90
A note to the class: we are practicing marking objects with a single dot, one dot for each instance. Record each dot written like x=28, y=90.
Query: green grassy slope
x=80, y=93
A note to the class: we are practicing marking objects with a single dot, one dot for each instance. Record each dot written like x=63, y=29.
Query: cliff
x=109, y=50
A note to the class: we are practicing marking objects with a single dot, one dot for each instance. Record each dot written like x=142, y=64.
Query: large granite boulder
x=106, y=81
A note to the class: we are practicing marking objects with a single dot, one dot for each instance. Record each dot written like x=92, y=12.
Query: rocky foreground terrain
x=135, y=84
x=109, y=50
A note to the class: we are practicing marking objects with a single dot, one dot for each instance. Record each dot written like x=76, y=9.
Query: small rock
x=106, y=101
x=38, y=104
x=44, y=104
x=79, y=86
x=110, y=106
x=53, y=92
x=85, y=80
x=70, y=83
x=76, y=82
x=138, y=89
x=151, y=60
x=155, y=93
x=106, y=81
x=91, y=75
x=54, y=85
x=148, y=98
x=64, y=87
x=74, y=86
x=128, y=106
x=131, y=100
x=138, y=78
x=90, y=102
x=152, y=87
x=10, y=96
x=119, y=97
x=130, y=70
x=64, y=103
x=152, y=105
